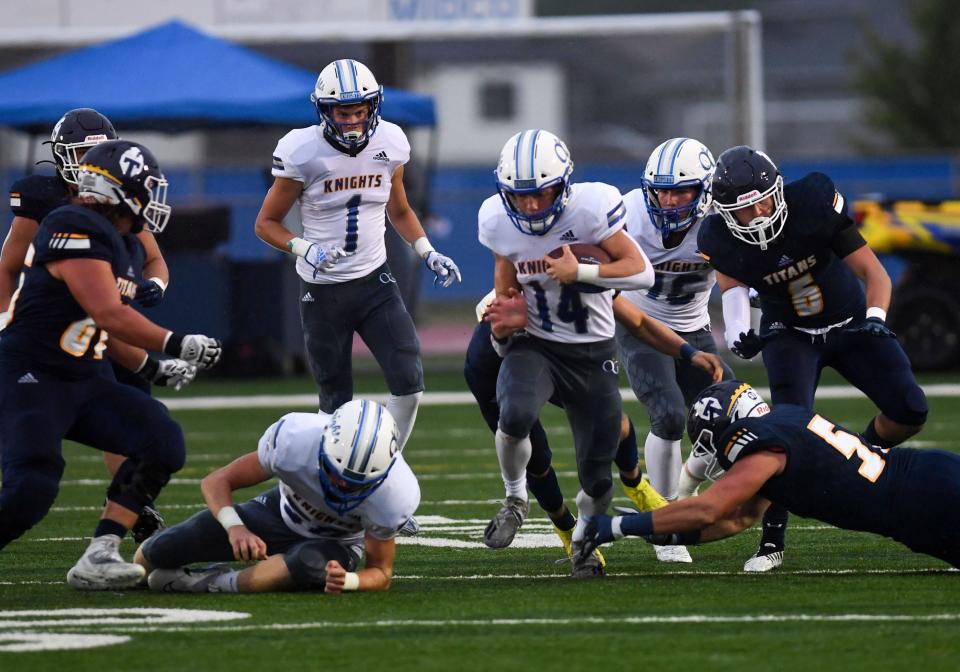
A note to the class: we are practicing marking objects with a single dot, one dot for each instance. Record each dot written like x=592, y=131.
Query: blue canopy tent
x=174, y=78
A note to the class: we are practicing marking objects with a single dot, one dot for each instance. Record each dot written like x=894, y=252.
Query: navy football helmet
x=745, y=177
x=347, y=82
x=714, y=410
x=77, y=131
x=125, y=173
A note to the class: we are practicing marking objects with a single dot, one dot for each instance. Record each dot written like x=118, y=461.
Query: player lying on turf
x=797, y=458
x=344, y=492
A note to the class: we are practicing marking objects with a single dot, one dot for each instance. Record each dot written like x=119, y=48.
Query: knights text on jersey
x=290, y=450
x=47, y=327
x=558, y=312
x=683, y=279
x=35, y=196
x=344, y=197
x=801, y=277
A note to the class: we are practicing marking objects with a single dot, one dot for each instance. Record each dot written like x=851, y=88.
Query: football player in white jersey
x=344, y=492
x=347, y=176
x=568, y=347
x=665, y=215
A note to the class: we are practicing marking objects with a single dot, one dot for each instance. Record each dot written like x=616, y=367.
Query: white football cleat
x=186, y=579
x=764, y=562
x=102, y=568
x=672, y=554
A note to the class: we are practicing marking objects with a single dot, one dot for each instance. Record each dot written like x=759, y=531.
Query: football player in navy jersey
x=797, y=247
x=54, y=381
x=35, y=196
x=794, y=457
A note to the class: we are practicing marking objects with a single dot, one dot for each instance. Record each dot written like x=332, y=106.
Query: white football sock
x=513, y=455
x=688, y=482
x=404, y=412
x=663, y=464
x=225, y=583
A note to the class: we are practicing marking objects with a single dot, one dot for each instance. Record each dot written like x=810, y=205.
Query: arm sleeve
x=736, y=314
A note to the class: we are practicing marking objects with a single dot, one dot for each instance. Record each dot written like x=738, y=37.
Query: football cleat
x=101, y=567
x=767, y=558
x=585, y=565
x=566, y=538
x=503, y=528
x=148, y=524
x=411, y=528
x=644, y=496
x=672, y=554
x=186, y=580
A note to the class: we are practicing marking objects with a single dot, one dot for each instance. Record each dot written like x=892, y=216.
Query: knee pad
x=599, y=488
x=516, y=421
x=307, y=563
x=669, y=425
x=138, y=483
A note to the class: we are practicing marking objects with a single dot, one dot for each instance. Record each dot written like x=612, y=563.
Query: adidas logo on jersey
x=568, y=237
x=381, y=156
x=27, y=378
x=307, y=298
x=784, y=261
x=130, y=271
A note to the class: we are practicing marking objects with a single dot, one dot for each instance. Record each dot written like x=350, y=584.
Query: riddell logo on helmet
x=749, y=196
x=99, y=137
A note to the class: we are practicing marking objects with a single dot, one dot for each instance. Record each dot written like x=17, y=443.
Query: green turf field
x=841, y=601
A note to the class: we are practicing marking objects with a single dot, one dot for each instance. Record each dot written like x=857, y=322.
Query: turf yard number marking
x=17, y=628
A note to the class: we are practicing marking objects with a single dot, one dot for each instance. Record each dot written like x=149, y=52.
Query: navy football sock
x=107, y=526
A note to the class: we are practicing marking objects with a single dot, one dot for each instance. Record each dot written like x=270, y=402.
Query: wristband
x=298, y=246
x=173, y=344
x=423, y=247
x=687, y=352
x=228, y=518
x=351, y=581
x=874, y=311
x=588, y=272
x=149, y=368
x=160, y=283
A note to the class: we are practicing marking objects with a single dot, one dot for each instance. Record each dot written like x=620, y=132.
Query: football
x=585, y=254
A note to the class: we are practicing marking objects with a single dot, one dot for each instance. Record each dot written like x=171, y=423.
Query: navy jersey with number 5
x=832, y=475
x=801, y=278
x=48, y=328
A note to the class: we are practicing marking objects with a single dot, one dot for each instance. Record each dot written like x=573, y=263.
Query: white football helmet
x=744, y=177
x=357, y=451
x=714, y=410
x=530, y=162
x=675, y=164
x=347, y=82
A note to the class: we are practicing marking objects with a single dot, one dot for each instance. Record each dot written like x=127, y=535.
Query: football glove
x=599, y=531
x=321, y=260
x=443, y=267
x=873, y=326
x=197, y=349
x=749, y=344
x=174, y=373
x=149, y=293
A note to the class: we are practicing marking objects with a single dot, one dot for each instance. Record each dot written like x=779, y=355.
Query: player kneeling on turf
x=344, y=492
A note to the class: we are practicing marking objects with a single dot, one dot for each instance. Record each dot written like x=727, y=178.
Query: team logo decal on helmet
x=678, y=163
x=531, y=162
x=743, y=178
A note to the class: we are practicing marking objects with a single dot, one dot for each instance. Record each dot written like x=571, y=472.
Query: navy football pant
x=372, y=307
x=35, y=417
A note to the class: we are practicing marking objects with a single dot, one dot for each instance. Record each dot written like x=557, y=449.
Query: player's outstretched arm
x=376, y=573
x=217, y=488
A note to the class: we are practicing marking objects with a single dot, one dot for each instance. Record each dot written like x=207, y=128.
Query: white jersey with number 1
x=290, y=450
x=344, y=197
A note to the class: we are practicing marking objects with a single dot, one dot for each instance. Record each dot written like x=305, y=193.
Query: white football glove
x=321, y=260
x=175, y=373
x=444, y=268
x=202, y=351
